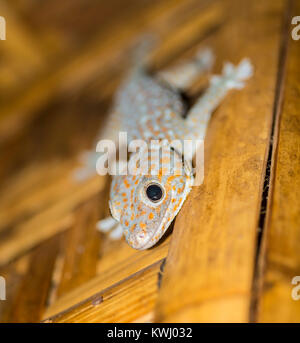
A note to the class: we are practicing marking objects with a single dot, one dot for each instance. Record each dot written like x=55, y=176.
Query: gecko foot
x=106, y=224
x=233, y=76
x=116, y=233
x=111, y=226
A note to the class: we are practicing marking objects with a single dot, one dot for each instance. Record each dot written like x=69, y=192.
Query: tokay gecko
x=151, y=108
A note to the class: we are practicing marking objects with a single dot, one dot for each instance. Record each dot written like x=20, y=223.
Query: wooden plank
x=117, y=264
x=33, y=189
x=53, y=219
x=82, y=246
x=20, y=46
x=102, y=54
x=208, y=273
x=14, y=274
x=28, y=299
x=280, y=257
x=36, y=43
x=130, y=300
x=87, y=61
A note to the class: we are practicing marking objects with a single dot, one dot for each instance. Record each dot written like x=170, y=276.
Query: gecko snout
x=139, y=240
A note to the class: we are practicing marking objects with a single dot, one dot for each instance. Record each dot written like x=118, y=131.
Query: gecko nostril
x=141, y=236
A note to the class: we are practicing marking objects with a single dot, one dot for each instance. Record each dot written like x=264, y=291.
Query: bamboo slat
x=114, y=272
x=280, y=257
x=134, y=298
x=44, y=224
x=29, y=283
x=209, y=268
x=101, y=53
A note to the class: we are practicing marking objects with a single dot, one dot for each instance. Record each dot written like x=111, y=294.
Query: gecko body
x=151, y=108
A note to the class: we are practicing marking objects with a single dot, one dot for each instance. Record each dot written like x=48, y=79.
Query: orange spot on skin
x=132, y=228
x=180, y=190
x=151, y=216
x=126, y=183
x=123, y=194
x=143, y=226
x=136, y=182
x=171, y=178
x=126, y=223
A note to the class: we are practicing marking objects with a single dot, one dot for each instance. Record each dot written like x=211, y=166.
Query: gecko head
x=146, y=204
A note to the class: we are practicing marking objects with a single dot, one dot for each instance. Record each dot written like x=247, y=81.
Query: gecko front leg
x=232, y=77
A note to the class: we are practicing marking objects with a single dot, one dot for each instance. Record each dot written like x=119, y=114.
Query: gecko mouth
x=139, y=243
x=144, y=240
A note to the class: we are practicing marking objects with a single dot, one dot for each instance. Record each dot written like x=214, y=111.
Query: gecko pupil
x=154, y=192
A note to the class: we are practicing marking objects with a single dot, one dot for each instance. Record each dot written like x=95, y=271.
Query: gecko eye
x=154, y=192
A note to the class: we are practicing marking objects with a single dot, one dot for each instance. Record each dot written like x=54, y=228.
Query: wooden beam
x=117, y=264
x=52, y=219
x=29, y=283
x=209, y=268
x=280, y=259
x=102, y=53
x=127, y=301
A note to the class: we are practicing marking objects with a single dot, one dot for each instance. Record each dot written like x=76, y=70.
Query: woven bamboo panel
x=233, y=250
